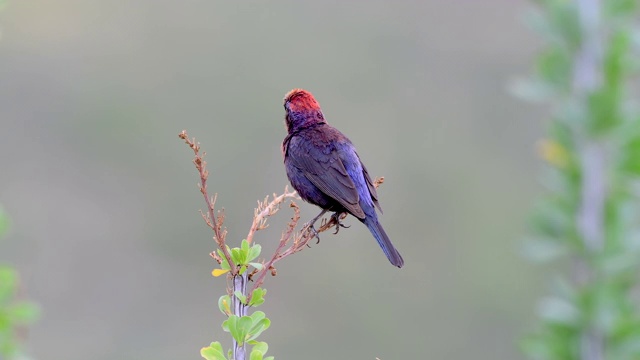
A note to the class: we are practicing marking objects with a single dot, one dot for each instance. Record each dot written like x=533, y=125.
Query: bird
x=324, y=168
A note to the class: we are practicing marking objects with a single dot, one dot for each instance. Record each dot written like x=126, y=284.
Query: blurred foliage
x=591, y=314
x=15, y=314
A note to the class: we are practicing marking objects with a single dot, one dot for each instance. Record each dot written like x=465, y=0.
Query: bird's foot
x=336, y=218
x=310, y=228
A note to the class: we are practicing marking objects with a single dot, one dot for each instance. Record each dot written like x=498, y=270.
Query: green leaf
x=257, y=297
x=257, y=316
x=261, y=346
x=244, y=245
x=240, y=296
x=559, y=311
x=563, y=16
x=256, y=265
x=259, y=323
x=254, y=252
x=225, y=264
x=213, y=352
x=229, y=325
x=8, y=283
x=236, y=256
x=23, y=313
x=224, y=304
x=554, y=68
x=238, y=327
x=244, y=326
x=256, y=355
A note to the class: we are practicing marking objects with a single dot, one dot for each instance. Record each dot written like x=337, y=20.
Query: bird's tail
x=383, y=240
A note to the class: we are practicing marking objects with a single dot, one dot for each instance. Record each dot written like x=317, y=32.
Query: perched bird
x=324, y=168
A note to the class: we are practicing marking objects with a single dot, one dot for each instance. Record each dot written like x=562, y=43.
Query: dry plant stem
x=301, y=238
x=284, y=239
x=266, y=209
x=215, y=223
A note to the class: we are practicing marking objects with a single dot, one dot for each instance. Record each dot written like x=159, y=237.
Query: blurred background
x=103, y=199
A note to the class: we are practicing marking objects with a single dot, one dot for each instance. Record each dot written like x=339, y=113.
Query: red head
x=302, y=109
x=300, y=100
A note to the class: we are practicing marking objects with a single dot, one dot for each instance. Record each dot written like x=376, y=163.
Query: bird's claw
x=313, y=231
x=336, y=218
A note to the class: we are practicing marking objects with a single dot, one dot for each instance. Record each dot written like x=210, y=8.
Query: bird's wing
x=324, y=168
x=372, y=188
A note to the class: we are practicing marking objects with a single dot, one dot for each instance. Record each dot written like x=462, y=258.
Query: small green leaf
x=559, y=311
x=240, y=296
x=244, y=325
x=259, y=328
x=259, y=324
x=224, y=304
x=213, y=352
x=224, y=264
x=254, y=252
x=8, y=283
x=236, y=256
x=261, y=346
x=244, y=245
x=257, y=316
x=257, y=298
x=23, y=313
x=256, y=355
x=229, y=325
x=238, y=327
x=256, y=265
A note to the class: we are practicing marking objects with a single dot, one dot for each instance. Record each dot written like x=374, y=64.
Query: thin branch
x=267, y=209
x=301, y=238
x=284, y=239
x=213, y=221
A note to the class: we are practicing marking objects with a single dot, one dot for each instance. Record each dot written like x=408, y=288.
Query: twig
x=267, y=209
x=301, y=238
x=215, y=223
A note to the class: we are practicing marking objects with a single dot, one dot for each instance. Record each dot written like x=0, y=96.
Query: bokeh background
x=103, y=198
